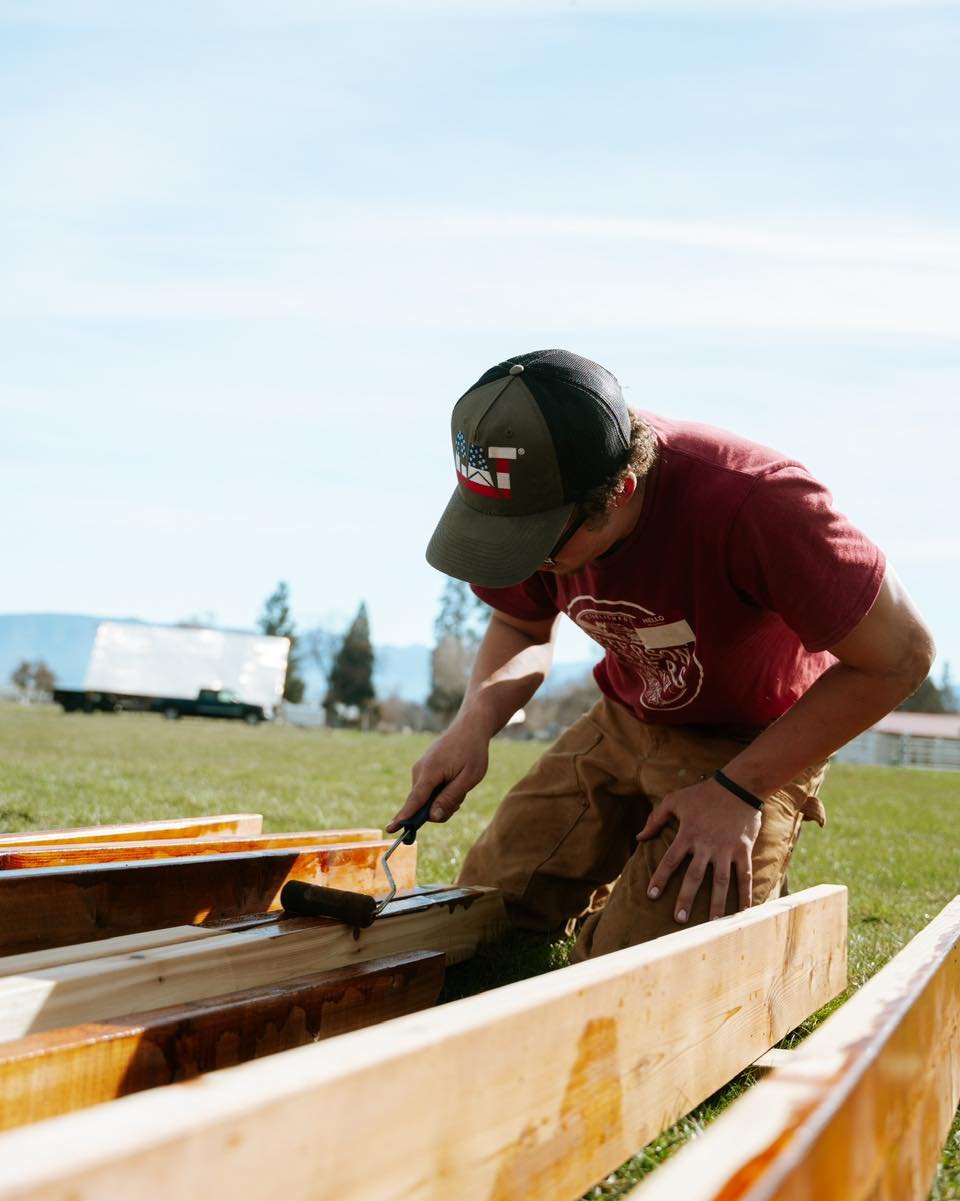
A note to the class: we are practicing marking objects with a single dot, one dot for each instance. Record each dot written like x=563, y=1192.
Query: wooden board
x=174, y=848
x=178, y=827
x=453, y=921
x=126, y=944
x=53, y=906
x=44, y=1075
x=859, y=1110
x=533, y=1091
x=79, y=952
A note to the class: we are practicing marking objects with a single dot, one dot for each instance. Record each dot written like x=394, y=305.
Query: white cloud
x=866, y=239
x=450, y=270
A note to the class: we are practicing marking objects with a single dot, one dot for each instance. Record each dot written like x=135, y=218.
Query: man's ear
x=625, y=492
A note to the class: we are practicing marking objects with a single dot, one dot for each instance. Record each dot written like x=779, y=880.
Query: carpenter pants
x=562, y=845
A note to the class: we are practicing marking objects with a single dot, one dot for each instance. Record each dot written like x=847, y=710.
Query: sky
x=252, y=252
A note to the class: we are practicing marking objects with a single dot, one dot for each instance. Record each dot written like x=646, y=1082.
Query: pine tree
x=947, y=691
x=351, y=676
x=275, y=619
x=928, y=698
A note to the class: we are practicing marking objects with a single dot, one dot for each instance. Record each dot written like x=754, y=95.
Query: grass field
x=891, y=837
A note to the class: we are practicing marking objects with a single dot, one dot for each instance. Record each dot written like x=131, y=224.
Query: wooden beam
x=45, y=1075
x=75, y=854
x=80, y=952
x=532, y=1091
x=54, y=906
x=776, y=1057
x=178, y=827
x=454, y=921
x=861, y=1108
x=125, y=944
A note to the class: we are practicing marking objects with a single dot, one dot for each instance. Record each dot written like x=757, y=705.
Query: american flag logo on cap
x=474, y=468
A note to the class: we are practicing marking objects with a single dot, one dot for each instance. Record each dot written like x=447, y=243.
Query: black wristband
x=734, y=787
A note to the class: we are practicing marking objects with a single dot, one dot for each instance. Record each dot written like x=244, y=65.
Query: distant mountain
x=404, y=671
x=64, y=641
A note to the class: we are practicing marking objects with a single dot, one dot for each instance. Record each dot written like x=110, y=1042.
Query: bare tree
x=459, y=628
x=33, y=679
x=319, y=647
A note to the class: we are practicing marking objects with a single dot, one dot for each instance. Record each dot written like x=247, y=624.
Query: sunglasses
x=569, y=530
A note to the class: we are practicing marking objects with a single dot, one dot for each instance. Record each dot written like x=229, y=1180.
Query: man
x=750, y=630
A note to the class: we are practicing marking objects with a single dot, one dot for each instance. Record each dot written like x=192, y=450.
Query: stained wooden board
x=55, y=906
x=180, y=827
x=534, y=1091
x=454, y=921
x=174, y=848
x=861, y=1108
x=44, y=1075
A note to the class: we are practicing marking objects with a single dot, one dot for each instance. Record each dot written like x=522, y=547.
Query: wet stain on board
x=590, y=1115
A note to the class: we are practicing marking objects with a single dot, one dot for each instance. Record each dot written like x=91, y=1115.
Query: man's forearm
x=881, y=662
x=842, y=703
x=509, y=668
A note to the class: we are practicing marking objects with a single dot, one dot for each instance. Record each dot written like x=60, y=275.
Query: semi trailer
x=181, y=671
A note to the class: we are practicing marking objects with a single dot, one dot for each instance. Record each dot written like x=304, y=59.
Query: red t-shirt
x=717, y=607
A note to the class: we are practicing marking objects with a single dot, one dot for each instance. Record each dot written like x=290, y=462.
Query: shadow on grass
x=517, y=956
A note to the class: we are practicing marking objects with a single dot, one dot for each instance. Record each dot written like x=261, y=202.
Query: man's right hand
x=458, y=758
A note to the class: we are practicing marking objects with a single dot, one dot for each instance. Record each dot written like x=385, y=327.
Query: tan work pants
x=562, y=844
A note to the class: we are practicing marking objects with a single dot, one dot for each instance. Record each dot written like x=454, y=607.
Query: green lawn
x=892, y=835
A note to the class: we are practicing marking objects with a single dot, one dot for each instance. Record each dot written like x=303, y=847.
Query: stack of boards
x=134, y=956
x=137, y=957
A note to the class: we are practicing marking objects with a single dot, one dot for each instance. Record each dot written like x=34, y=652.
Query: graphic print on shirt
x=661, y=653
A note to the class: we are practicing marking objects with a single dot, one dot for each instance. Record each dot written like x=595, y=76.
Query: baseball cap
x=530, y=438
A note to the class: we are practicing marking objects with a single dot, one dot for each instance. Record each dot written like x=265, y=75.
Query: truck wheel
x=252, y=719
x=171, y=713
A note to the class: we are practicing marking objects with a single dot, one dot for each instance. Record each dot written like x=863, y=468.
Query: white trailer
x=133, y=660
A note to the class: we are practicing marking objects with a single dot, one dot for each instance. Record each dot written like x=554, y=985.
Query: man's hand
x=460, y=758
x=716, y=830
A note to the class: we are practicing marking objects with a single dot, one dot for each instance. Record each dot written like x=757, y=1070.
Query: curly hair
x=599, y=502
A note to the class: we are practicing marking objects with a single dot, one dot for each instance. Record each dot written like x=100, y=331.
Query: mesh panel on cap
x=584, y=409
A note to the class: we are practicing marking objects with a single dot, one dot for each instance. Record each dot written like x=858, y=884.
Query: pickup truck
x=209, y=702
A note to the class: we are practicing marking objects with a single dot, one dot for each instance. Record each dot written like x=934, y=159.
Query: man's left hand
x=715, y=830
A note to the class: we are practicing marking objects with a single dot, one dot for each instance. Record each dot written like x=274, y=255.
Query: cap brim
x=493, y=551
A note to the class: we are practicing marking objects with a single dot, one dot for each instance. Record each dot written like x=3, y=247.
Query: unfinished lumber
x=453, y=920
x=44, y=1075
x=126, y=944
x=859, y=1110
x=55, y=906
x=80, y=952
x=532, y=1091
x=174, y=848
x=177, y=827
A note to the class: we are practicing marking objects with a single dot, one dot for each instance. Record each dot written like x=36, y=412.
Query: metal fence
x=902, y=750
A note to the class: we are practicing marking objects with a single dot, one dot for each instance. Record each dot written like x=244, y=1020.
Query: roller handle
x=413, y=824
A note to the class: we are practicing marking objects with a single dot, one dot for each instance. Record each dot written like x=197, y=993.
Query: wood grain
x=54, y=906
x=859, y=1110
x=75, y=854
x=178, y=827
x=44, y=1075
x=532, y=1091
x=453, y=921
x=80, y=952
